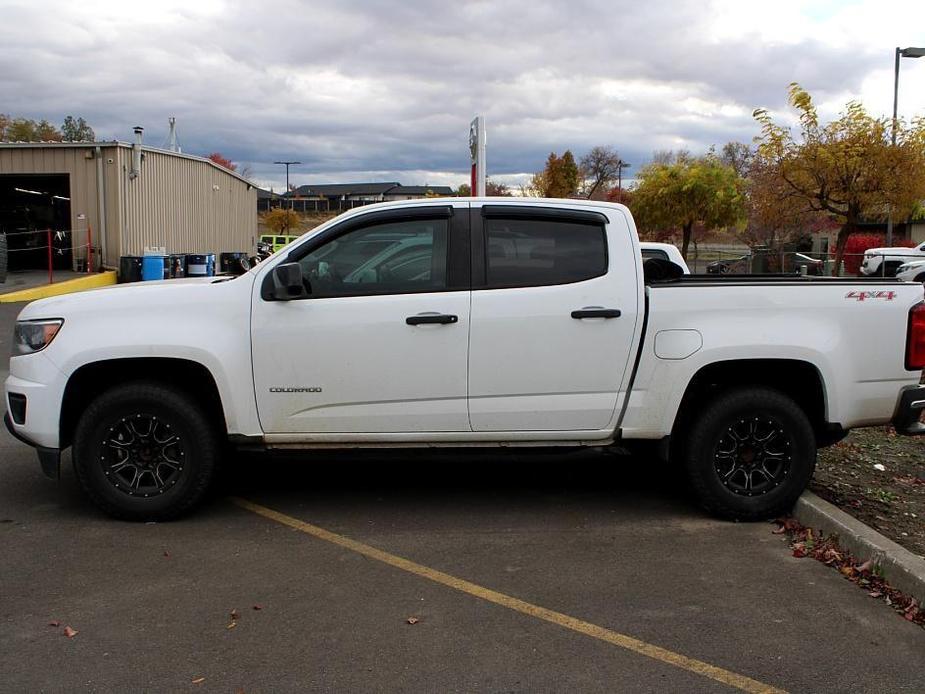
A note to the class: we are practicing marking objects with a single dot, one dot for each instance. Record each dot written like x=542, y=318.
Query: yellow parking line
x=698, y=667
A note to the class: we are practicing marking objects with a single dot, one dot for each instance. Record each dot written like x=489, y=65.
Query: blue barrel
x=200, y=265
x=154, y=267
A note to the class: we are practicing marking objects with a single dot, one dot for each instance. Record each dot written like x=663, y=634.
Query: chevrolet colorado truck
x=465, y=322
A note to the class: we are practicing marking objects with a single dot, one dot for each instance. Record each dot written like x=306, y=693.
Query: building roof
x=420, y=190
x=117, y=143
x=267, y=194
x=343, y=189
x=385, y=188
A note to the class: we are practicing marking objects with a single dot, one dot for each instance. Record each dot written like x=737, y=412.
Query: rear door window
x=535, y=252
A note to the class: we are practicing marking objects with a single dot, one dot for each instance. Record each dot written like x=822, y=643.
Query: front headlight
x=31, y=336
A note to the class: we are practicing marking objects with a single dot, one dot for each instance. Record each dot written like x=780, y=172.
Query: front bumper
x=909, y=409
x=49, y=458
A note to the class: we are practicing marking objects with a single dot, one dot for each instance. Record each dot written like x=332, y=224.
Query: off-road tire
x=201, y=447
x=702, y=453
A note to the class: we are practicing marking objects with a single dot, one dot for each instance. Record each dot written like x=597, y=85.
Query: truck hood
x=135, y=297
x=901, y=250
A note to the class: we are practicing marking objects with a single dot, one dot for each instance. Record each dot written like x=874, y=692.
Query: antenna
x=172, y=143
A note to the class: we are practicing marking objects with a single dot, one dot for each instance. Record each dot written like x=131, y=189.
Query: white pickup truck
x=465, y=322
x=885, y=261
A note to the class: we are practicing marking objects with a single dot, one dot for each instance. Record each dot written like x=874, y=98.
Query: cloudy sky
x=385, y=90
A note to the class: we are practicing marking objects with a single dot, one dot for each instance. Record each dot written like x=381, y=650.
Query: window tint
x=531, y=253
x=654, y=253
x=395, y=258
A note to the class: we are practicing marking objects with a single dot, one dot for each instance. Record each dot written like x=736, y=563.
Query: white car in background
x=892, y=257
x=911, y=271
x=664, y=251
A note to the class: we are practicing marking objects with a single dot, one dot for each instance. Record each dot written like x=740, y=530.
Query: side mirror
x=287, y=282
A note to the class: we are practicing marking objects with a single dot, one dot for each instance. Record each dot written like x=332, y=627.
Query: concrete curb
x=901, y=568
x=99, y=279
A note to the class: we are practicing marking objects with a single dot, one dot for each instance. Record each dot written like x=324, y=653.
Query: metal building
x=118, y=198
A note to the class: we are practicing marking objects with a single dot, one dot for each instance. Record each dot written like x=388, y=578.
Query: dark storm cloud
x=390, y=86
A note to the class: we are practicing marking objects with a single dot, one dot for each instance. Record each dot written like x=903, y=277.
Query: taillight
x=915, y=338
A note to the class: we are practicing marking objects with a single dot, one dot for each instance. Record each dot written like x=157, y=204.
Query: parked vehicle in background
x=664, y=251
x=912, y=271
x=885, y=261
x=729, y=265
x=463, y=322
x=276, y=242
x=794, y=262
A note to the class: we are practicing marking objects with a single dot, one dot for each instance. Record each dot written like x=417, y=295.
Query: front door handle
x=596, y=312
x=428, y=318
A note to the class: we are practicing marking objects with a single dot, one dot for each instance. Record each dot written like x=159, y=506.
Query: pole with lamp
x=620, y=166
x=287, y=164
x=911, y=52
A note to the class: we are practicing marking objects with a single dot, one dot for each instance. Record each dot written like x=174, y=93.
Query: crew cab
x=465, y=322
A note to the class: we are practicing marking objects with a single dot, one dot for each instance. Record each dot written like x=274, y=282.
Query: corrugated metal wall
x=186, y=204
x=81, y=171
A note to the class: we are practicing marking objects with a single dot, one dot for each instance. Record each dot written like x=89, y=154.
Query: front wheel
x=145, y=452
x=750, y=454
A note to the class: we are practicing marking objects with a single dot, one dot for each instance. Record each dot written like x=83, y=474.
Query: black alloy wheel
x=753, y=456
x=142, y=455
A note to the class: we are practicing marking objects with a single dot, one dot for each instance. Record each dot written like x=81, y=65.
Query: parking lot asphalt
x=607, y=542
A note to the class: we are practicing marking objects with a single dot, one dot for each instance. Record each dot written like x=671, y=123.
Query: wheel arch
x=799, y=380
x=92, y=379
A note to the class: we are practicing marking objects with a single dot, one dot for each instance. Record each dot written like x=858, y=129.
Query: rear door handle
x=428, y=318
x=596, y=312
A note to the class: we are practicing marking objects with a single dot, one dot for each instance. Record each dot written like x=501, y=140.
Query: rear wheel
x=143, y=451
x=750, y=454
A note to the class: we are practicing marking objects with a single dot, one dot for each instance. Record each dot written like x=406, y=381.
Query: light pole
x=287, y=164
x=620, y=166
x=910, y=52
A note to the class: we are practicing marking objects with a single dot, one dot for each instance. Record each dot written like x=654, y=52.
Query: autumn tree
x=464, y=190
x=222, y=161
x=738, y=155
x=599, y=170
x=559, y=179
x=683, y=193
x=847, y=169
x=76, y=130
x=282, y=221
x=27, y=130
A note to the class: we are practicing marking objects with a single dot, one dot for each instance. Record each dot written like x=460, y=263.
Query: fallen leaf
x=258, y=607
x=167, y=554
x=875, y=593
x=234, y=614
x=232, y=625
x=413, y=620
x=780, y=530
x=54, y=623
x=880, y=466
x=866, y=566
x=199, y=680
x=70, y=632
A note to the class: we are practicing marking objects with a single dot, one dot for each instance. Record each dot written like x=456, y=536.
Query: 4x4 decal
x=863, y=296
